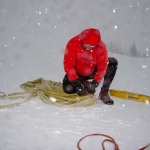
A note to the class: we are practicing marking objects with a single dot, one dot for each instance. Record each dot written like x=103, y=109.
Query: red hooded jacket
x=78, y=61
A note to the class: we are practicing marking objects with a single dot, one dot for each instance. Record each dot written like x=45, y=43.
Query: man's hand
x=91, y=86
x=80, y=88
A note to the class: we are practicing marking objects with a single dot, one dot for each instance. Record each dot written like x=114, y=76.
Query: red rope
x=110, y=139
x=143, y=148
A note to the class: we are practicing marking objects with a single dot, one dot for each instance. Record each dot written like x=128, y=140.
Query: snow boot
x=104, y=96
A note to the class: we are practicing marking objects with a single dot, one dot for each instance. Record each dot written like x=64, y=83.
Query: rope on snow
x=109, y=139
x=50, y=92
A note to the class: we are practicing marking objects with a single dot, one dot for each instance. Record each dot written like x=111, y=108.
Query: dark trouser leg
x=110, y=72
x=67, y=86
x=109, y=76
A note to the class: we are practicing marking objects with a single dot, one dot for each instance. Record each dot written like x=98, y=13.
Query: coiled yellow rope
x=50, y=92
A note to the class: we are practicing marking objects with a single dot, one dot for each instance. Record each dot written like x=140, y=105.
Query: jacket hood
x=90, y=36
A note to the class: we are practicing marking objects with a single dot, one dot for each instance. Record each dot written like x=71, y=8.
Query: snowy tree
x=114, y=48
x=133, y=52
x=144, y=55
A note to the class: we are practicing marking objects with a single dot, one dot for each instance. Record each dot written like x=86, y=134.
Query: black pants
x=108, y=77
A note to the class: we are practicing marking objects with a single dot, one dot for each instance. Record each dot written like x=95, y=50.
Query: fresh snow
x=32, y=41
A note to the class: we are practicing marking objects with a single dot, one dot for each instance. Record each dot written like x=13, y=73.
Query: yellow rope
x=50, y=92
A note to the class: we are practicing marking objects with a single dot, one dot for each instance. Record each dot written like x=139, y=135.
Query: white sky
x=33, y=35
x=123, y=21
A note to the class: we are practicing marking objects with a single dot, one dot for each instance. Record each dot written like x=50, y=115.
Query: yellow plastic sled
x=130, y=95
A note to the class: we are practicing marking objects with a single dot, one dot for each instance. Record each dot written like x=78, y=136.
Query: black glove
x=91, y=86
x=76, y=82
x=80, y=88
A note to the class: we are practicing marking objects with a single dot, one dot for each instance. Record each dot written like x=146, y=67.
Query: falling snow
x=33, y=35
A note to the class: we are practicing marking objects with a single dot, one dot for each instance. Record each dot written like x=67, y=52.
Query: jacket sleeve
x=69, y=60
x=102, y=62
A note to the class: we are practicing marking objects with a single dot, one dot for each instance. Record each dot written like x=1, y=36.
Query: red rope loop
x=143, y=148
x=110, y=139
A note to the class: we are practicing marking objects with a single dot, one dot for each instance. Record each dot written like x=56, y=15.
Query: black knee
x=111, y=68
x=69, y=88
x=113, y=61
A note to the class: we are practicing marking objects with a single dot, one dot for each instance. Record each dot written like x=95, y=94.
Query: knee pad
x=69, y=89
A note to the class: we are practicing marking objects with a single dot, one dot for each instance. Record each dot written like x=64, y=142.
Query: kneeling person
x=86, y=59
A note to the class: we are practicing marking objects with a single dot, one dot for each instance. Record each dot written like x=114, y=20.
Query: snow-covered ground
x=32, y=42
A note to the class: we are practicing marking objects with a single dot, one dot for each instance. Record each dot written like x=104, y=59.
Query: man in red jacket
x=86, y=59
